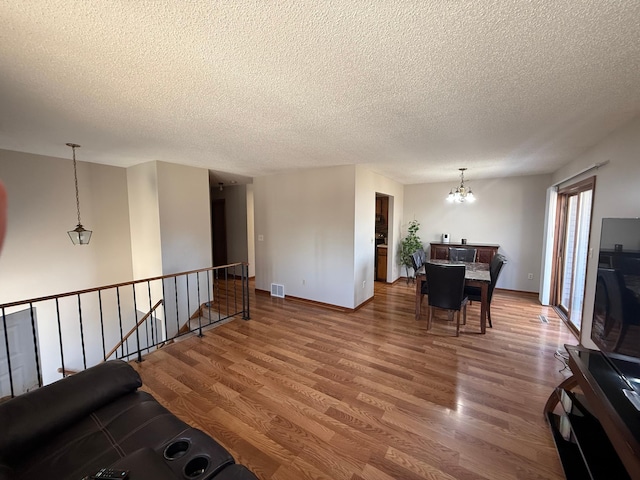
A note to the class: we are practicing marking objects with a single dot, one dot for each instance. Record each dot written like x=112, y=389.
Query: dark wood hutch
x=486, y=252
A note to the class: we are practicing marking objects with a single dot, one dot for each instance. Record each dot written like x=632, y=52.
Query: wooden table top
x=474, y=271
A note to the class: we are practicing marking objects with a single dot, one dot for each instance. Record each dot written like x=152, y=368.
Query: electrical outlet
x=530, y=276
x=364, y=282
x=304, y=281
x=261, y=238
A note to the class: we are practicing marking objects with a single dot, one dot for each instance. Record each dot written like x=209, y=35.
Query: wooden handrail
x=67, y=371
x=117, y=285
x=140, y=322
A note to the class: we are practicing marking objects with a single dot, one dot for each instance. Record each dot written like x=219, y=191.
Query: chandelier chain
x=75, y=175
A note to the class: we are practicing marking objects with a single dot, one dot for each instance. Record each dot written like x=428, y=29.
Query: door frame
x=563, y=195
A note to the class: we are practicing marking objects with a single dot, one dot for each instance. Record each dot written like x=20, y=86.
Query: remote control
x=110, y=474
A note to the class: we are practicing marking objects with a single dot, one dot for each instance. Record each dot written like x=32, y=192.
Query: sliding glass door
x=572, y=249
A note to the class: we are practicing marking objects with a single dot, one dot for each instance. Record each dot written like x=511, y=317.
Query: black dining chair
x=475, y=294
x=458, y=254
x=446, y=290
x=418, y=258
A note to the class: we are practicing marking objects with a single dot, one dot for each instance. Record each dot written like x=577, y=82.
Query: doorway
x=381, y=237
x=219, y=232
x=573, y=225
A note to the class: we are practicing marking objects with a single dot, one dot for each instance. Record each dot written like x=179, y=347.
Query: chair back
x=495, y=267
x=417, y=259
x=457, y=254
x=446, y=285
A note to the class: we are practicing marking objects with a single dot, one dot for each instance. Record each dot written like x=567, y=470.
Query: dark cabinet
x=485, y=252
x=381, y=264
x=382, y=208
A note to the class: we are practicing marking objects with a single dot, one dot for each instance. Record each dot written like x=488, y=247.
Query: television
x=616, y=313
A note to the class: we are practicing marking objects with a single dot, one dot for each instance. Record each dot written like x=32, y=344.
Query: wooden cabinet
x=486, y=252
x=381, y=263
x=382, y=207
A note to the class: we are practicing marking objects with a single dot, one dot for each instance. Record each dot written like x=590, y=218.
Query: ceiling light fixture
x=461, y=194
x=79, y=236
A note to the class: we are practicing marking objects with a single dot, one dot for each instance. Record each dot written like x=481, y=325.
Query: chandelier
x=79, y=236
x=461, y=194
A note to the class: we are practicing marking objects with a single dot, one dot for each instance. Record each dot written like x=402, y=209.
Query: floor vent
x=543, y=319
x=277, y=290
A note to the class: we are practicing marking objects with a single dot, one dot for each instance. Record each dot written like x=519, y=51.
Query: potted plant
x=410, y=244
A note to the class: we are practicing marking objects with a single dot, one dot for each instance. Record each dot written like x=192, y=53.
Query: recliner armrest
x=32, y=418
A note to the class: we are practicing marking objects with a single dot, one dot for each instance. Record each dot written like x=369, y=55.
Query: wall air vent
x=277, y=290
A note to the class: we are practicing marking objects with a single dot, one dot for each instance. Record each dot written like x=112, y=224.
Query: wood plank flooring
x=303, y=392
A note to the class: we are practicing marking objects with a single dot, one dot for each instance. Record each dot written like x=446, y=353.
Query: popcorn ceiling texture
x=413, y=89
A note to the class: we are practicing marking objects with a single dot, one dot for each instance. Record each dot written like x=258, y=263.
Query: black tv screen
x=616, y=313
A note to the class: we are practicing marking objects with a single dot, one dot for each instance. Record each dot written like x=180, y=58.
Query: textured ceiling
x=413, y=89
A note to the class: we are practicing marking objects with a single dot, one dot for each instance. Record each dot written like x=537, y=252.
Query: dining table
x=476, y=275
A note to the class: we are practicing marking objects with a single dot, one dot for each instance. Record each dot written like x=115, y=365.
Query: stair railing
x=43, y=337
x=135, y=330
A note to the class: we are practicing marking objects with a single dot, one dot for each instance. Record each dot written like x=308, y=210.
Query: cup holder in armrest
x=196, y=467
x=176, y=449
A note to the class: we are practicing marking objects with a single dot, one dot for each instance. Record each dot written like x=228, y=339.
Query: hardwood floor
x=302, y=392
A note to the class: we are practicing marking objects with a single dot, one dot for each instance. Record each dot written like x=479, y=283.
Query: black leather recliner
x=98, y=418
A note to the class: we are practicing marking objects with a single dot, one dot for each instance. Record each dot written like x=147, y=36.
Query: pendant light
x=79, y=235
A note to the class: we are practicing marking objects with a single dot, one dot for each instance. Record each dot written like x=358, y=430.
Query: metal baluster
x=208, y=297
x=35, y=343
x=120, y=322
x=219, y=294
x=245, y=293
x=84, y=353
x=199, y=306
x=6, y=344
x=175, y=285
x=146, y=326
x=135, y=321
x=104, y=349
x=164, y=309
x=153, y=332
x=64, y=370
x=188, y=302
x=235, y=289
x=226, y=283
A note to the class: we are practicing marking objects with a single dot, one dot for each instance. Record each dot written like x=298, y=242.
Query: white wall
x=617, y=194
x=508, y=211
x=146, y=250
x=364, y=236
x=185, y=217
x=319, y=228
x=251, y=244
x=306, y=220
x=38, y=257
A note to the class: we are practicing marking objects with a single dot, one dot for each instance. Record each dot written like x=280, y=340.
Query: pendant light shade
x=79, y=235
